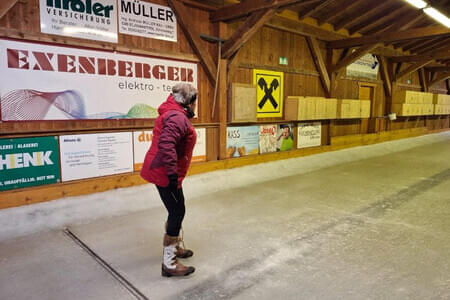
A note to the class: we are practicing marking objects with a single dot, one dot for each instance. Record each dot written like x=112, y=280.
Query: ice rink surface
x=363, y=223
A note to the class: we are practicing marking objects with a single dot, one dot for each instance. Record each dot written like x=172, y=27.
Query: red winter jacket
x=173, y=141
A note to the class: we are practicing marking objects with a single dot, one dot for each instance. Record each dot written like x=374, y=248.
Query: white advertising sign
x=94, y=155
x=143, y=140
x=365, y=67
x=86, y=19
x=309, y=135
x=147, y=19
x=41, y=82
x=199, y=153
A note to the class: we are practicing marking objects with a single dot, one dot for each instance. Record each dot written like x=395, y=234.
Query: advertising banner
x=268, y=138
x=143, y=140
x=148, y=20
x=365, y=67
x=242, y=141
x=94, y=155
x=199, y=153
x=285, y=137
x=86, y=19
x=28, y=162
x=269, y=93
x=309, y=135
x=41, y=82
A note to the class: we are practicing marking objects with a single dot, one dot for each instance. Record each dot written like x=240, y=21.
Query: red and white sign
x=42, y=82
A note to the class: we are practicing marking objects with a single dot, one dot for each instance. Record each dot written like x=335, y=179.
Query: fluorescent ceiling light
x=438, y=16
x=418, y=3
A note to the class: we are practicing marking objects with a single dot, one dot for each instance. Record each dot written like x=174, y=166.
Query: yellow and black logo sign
x=269, y=93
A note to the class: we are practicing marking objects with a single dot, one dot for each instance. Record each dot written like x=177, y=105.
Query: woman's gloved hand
x=173, y=181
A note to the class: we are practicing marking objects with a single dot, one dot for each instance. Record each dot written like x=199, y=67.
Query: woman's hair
x=184, y=93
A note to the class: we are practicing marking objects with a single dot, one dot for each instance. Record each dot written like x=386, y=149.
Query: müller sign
x=56, y=62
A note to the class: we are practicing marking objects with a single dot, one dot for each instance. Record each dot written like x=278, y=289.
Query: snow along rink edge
x=59, y=213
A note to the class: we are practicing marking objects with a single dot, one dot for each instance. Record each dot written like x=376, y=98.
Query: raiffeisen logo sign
x=89, y=19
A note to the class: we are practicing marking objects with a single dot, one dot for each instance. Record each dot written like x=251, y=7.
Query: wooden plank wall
x=262, y=51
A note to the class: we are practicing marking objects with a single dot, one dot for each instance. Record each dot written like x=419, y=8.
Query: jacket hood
x=170, y=104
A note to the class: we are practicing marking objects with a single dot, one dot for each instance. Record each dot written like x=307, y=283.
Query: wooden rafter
x=5, y=6
x=412, y=68
x=421, y=43
x=246, y=31
x=439, y=69
x=311, y=9
x=320, y=64
x=244, y=8
x=333, y=15
x=417, y=33
x=439, y=78
x=434, y=47
x=360, y=15
x=385, y=75
x=384, y=15
x=415, y=58
x=354, y=56
x=184, y=19
x=400, y=23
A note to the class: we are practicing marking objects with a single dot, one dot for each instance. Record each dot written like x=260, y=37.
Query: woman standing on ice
x=166, y=164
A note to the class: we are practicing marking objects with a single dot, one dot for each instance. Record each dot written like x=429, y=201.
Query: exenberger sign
x=88, y=19
x=42, y=82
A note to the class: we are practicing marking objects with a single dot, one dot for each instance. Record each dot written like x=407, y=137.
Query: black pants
x=174, y=202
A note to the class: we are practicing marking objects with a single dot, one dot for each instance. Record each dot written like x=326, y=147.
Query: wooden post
x=223, y=108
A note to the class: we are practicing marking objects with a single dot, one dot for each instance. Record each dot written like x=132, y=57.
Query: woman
x=166, y=164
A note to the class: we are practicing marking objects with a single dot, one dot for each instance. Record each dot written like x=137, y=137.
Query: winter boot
x=170, y=266
x=181, y=251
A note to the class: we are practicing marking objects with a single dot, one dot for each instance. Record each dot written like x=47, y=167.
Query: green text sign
x=28, y=162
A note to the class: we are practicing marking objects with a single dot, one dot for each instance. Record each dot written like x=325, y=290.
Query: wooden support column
x=320, y=64
x=439, y=78
x=447, y=83
x=423, y=80
x=385, y=76
x=5, y=6
x=184, y=19
x=223, y=106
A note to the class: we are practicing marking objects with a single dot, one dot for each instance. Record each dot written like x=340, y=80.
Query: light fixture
x=420, y=4
x=438, y=16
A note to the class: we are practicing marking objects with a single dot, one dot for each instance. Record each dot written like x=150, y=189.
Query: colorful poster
x=86, y=19
x=268, y=138
x=242, y=141
x=365, y=67
x=28, y=162
x=142, y=141
x=285, y=137
x=309, y=135
x=94, y=155
x=199, y=153
x=42, y=82
x=269, y=93
x=148, y=20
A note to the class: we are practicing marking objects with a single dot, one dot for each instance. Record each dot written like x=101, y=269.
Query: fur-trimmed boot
x=170, y=266
x=181, y=251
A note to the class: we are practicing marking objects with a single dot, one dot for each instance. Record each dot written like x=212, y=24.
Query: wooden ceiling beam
x=383, y=15
x=439, y=78
x=193, y=37
x=401, y=23
x=254, y=22
x=412, y=68
x=421, y=43
x=421, y=57
x=242, y=9
x=410, y=34
x=434, y=47
x=360, y=15
x=5, y=6
x=354, y=56
x=439, y=69
x=332, y=15
x=313, y=8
